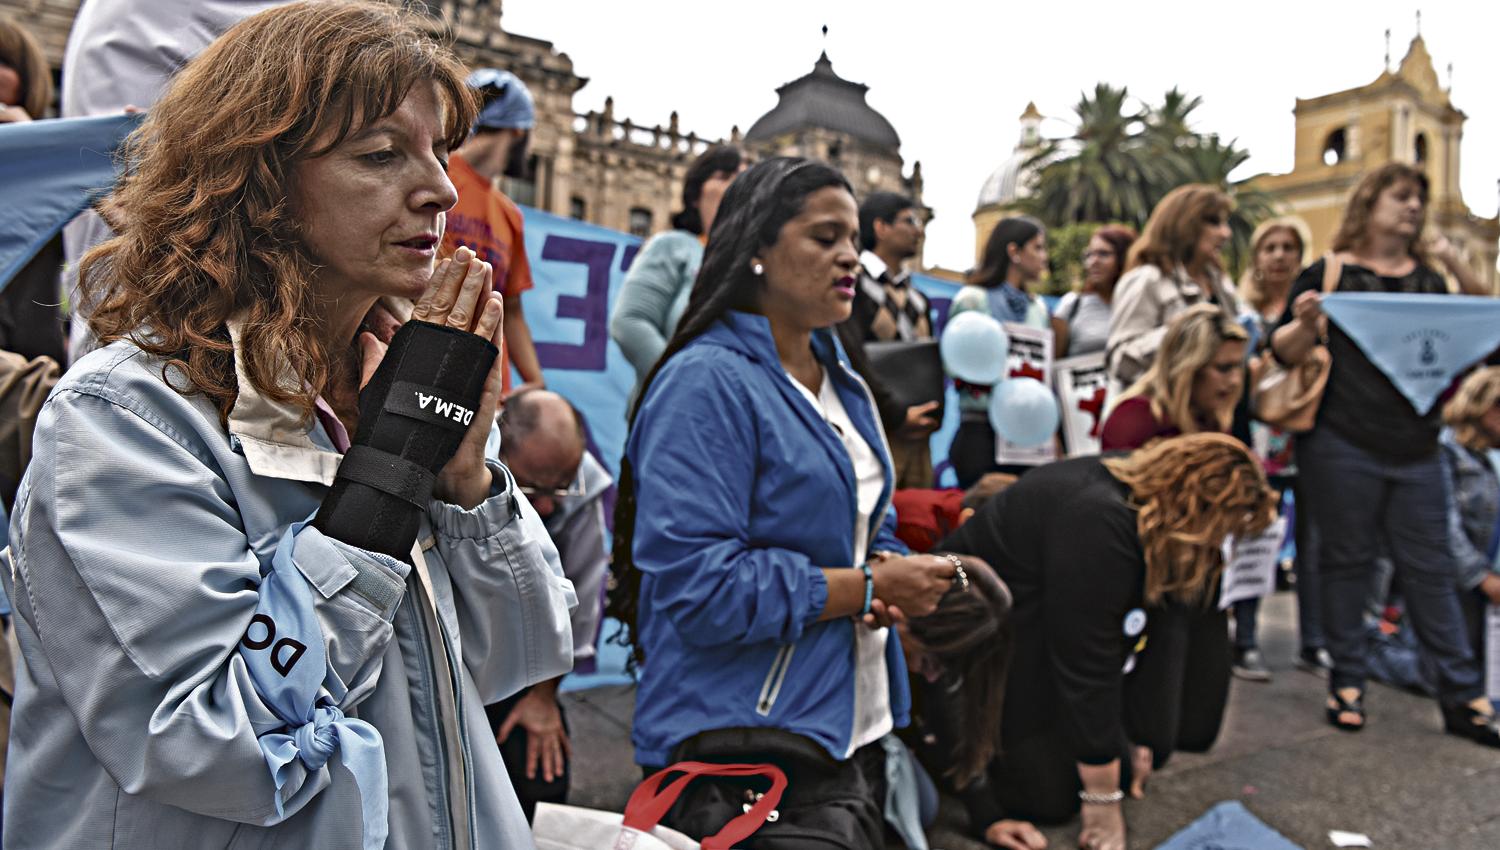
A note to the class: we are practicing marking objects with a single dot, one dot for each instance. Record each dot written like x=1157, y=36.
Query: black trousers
x=1174, y=700
x=513, y=751
x=1175, y=697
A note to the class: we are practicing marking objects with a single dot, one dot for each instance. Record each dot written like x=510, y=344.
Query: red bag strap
x=650, y=801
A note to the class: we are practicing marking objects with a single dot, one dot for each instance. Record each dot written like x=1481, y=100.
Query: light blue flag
x=284, y=651
x=1420, y=342
x=50, y=171
x=1228, y=826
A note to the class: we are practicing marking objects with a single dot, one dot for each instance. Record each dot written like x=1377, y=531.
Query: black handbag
x=912, y=372
x=828, y=804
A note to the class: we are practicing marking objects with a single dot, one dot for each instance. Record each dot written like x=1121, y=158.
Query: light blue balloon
x=974, y=347
x=1024, y=412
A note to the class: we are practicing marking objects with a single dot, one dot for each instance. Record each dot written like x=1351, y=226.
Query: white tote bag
x=572, y=828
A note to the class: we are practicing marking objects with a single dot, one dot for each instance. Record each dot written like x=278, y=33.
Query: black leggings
x=1174, y=700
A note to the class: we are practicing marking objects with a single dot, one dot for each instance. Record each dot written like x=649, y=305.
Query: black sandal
x=1342, y=706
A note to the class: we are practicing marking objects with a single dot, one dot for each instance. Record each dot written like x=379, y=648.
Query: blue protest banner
x=940, y=293
x=50, y=171
x=1420, y=342
x=577, y=269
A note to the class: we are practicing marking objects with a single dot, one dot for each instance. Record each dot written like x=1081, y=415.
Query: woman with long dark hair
x=654, y=294
x=1080, y=324
x=1085, y=547
x=1015, y=258
x=1371, y=469
x=755, y=551
x=958, y=658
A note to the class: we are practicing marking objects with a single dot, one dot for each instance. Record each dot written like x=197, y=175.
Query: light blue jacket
x=141, y=537
x=743, y=492
x=653, y=297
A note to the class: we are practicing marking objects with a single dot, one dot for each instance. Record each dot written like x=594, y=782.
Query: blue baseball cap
x=510, y=105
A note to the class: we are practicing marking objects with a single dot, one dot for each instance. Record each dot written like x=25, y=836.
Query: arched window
x=1333, y=148
x=578, y=208
x=1419, y=149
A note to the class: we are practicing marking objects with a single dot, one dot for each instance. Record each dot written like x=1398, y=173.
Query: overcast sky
x=953, y=76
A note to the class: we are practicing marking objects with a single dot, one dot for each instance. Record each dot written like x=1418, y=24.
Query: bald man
x=543, y=441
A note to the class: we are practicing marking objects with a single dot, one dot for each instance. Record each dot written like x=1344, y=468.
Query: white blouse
x=872, y=691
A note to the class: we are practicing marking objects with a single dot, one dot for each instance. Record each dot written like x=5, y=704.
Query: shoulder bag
x=558, y=827
x=1288, y=397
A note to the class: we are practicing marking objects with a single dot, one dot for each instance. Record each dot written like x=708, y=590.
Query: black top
x=1361, y=403
x=1064, y=540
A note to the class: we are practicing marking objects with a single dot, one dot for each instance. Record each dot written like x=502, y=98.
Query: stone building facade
x=601, y=168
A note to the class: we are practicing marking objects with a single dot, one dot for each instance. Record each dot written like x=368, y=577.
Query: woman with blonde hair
x=1277, y=249
x=232, y=634
x=1176, y=263
x=1192, y=385
x=1155, y=521
x=1471, y=463
x=1371, y=468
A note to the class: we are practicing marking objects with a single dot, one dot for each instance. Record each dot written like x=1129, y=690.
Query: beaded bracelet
x=1114, y=796
x=869, y=588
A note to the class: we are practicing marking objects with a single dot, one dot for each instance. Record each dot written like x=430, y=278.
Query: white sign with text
x=1250, y=565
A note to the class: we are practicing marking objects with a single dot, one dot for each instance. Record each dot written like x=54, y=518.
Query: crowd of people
x=331, y=566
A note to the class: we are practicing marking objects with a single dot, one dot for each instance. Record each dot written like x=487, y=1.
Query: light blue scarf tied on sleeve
x=288, y=663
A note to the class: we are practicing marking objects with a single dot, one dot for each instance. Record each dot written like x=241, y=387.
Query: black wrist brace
x=413, y=414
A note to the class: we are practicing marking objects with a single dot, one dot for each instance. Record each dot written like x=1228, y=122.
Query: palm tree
x=1104, y=171
x=1206, y=159
x=1168, y=123
x=1122, y=159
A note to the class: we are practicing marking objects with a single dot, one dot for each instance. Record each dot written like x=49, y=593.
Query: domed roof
x=1005, y=185
x=1010, y=182
x=824, y=99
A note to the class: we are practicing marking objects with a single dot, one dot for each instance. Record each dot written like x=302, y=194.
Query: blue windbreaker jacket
x=743, y=493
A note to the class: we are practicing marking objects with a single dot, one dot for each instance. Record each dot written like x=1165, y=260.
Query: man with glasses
x=887, y=308
x=543, y=442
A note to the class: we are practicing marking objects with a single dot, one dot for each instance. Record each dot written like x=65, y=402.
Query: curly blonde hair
x=1190, y=493
x=1476, y=395
x=206, y=230
x=1191, y=343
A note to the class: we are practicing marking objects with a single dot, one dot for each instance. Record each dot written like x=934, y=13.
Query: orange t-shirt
x=488, y=223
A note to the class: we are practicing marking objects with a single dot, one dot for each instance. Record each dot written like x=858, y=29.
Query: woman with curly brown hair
x=231, y=633
x=1157, y=520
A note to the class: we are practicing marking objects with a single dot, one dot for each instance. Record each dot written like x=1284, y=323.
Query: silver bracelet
x=1114, y=796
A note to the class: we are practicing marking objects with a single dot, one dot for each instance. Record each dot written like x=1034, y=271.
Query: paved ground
x=1401, y=781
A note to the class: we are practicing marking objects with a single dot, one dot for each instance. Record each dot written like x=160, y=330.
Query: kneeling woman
x=753, y=515
x=1084, y=546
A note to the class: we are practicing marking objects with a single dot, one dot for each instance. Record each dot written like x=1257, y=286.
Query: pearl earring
x=757, y=269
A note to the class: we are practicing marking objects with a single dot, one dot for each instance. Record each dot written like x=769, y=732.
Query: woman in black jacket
x=1084, y=546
